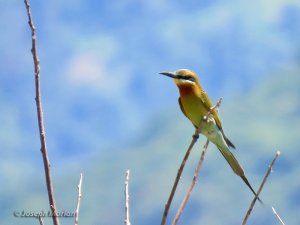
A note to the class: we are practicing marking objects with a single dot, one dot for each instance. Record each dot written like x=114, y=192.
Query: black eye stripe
x=186, y=78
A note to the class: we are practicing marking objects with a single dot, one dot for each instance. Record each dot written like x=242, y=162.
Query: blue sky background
x=106, y=108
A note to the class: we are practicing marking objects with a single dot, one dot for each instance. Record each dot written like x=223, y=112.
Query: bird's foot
x=196, y=136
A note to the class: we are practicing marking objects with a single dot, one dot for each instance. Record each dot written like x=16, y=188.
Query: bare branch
x=167, y=206
x=278, y=217
x=189, y=192
x=127, y=215
x=78, y=200
x=40, y=117
x=40, y=220
x=180, y=170
x=260, y=188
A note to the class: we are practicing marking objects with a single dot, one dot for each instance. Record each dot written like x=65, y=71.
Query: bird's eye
x=190, y=78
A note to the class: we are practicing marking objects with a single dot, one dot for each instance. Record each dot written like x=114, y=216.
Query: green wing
x=208, y=105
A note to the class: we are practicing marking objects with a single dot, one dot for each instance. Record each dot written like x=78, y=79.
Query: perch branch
x=194, y=140
x=78, y=199
x=38, y=100
x=260, y=188
x=189, y=192
x=167, y=206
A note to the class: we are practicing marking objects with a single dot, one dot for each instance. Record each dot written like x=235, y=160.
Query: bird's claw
x=196, y=136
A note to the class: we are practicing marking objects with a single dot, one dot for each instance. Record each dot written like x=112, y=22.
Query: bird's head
x=183, y=77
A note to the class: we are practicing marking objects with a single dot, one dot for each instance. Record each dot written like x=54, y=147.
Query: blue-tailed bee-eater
x=195, y=105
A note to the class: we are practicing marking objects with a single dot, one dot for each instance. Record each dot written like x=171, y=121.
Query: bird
x=195, y=105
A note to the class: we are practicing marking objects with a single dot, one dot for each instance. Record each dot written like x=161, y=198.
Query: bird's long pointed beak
x=169, y=74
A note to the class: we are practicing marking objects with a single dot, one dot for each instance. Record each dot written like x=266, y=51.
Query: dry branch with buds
x=39, y=108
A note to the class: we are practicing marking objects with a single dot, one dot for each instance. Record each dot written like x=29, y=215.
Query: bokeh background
x=107, y=110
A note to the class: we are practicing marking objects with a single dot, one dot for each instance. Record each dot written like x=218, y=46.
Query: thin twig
x=127, y=215
x=41, y=220
x=40, y=117
x=78, y=200
x=180, y=170
x=260, y=188
x=167, y=206
x=215, y=107
x=189, y=192
x=278, y=217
